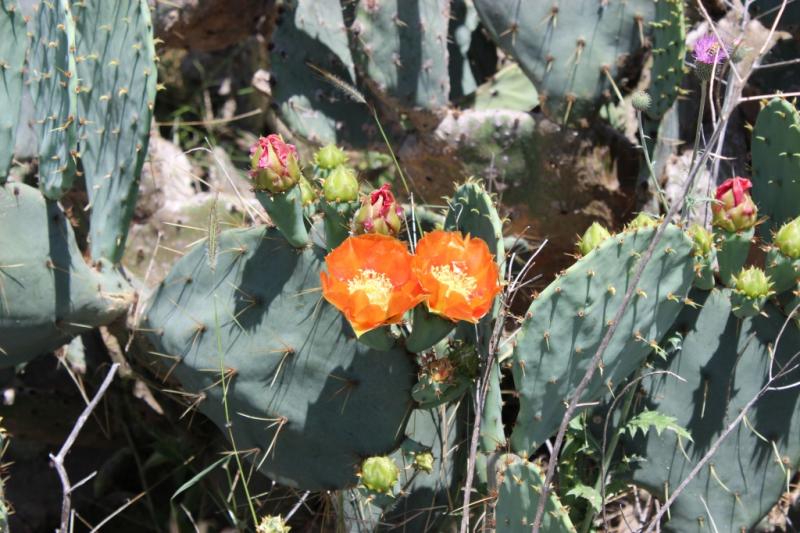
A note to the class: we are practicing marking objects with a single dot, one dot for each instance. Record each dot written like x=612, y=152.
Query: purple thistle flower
x=709, y=50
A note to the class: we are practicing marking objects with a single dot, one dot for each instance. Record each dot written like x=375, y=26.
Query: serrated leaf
x=659, y=421
x=587, y=493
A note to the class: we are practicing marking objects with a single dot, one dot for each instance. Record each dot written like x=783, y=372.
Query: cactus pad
x=116, y=94
x=567, y=321
x=723, y=361
x=48, y=294
x=312, y=399
x=12, y=57
x=776, y=164
x=669, y=51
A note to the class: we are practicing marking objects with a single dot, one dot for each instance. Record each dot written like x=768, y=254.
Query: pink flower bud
x=379, y=213
x=274, y=165
x=734, y=210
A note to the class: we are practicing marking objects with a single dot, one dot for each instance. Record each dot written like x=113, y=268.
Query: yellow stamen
x=455, y=279
x=375, y=285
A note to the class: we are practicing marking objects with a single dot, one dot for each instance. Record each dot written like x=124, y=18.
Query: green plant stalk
x=651, y=171
x=391, y=151
x=612, y=445
x=697, y=132
x=228, y=416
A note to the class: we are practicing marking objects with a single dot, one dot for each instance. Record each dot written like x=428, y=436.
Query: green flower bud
x=307, y=194
x=341, y=185
x=272, y=524
x=753, y=283
x=641, y=101
x=788, y=239
x=592, y=238
x=274, y=166
x=642, y=220
x=379, y=213
x=379, y=474
x=424, y=461
x=330, y=156
x=703, y=240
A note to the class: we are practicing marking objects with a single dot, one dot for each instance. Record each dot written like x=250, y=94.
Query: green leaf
x=587, y=493
x=647, y=419
x=200, y=475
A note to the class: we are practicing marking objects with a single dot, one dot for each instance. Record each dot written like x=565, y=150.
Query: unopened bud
x=341, y=185
x=592, y=238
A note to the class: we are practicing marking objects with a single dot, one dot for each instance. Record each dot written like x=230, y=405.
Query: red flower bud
x=379, y=213
x=734, y=209
x=274, y=165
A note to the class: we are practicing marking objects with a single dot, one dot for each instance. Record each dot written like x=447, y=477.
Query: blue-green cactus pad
x=302, y=384
x=12, y=58
x=567, y=321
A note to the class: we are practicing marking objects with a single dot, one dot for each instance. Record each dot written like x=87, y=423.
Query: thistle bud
x=379, y=213
x=703, y=240
x=379, y=474
x=788, y=239
x=641, y=101
x=592, y=238
x=753, y=283
x=274, y=165
x=424, y=461
x=330, y=157
x=734, y=209
x=341, y=185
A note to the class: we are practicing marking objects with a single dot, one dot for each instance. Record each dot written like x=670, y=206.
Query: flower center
x=375, y=285
x=455, y=279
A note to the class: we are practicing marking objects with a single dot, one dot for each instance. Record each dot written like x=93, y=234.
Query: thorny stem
x=228, y=423
x=649, y=163
x=697, y=134
x=601, y=349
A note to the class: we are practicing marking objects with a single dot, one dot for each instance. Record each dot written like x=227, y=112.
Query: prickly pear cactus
x=54, y=81
x=519, y=484
x=12, y=58
x=48, y=294
x=311, y=398
x=312, y=33
x=566, y=322
x=566, y=48
x=402, y=49
x=509, y=89
x=117, y=86
x=669, y=51
x=776, y=164
x=724, y=362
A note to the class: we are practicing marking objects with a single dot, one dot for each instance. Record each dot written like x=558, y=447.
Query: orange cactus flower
x=458, y=275
x=369, y=279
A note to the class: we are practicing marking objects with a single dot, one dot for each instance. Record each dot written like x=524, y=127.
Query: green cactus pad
x=732, y=252
x=669, y=51
x=784, y=271
x=312, y=32
x=463, y=21
x=565, y=324
x=723, y=361
x=116, y=94
x=285, y=209
x=509, y=88
x=48, y=294
x=402, y=49
x=303, y=388
x=776, y=164
x=520, y=483
x=565, y=47
x=12, y=58
x=54, y=81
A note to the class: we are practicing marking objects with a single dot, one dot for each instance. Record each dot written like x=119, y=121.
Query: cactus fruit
x=751, y=288
x=312, y=399
x=723, y=363
x=312, y=34
x=116, y=70
x=341, y=185
x=329, y=157
x=704, y=255
x=379, y=474
x=48, y=294
x=54, y=84
x=776, y=164
x=574, y=51
x=439, y=382
x=669, y=52
x=12, y=58
x=783, y=257
x=402, y=49
x=520, y=484
x=566, y=322
x=593, y=237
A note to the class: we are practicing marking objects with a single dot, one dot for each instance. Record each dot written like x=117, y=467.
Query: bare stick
x=58, y=460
